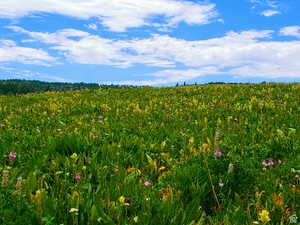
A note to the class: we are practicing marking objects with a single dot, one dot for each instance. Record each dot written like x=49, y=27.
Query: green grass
x=167, y=136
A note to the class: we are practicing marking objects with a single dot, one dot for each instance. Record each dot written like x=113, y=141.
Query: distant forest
x=13, y=87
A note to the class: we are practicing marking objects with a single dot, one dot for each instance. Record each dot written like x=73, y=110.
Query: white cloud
x=269, y=13
x=117, y=15
x=291, y=31
x=271, y=7
x=266, y=3
x=9, y=52
x=92, y=49
x=249, y=53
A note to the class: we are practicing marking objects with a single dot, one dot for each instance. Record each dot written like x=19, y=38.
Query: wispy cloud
x=291, y=31
x=269, y=8
x=116, y=15
x=269, y=13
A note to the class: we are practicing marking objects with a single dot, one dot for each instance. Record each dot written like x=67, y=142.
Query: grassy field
x=193, y=155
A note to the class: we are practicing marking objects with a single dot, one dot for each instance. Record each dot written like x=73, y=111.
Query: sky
x=150, y=42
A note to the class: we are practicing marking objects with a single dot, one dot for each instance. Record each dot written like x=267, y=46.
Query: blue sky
x=157, y=42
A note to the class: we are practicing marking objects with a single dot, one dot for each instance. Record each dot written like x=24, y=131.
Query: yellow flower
x=153, y=164
x=124, y=201
x=264, y=216
x=39, y=194
x=37, y=198
x=277, y=200
x=131, y=170
x=205, y=147
x=192, y=149
x=162, y=168
x=258, y=194
x=74, y=156
x=191, y=141
x=75, y=194
x=163, y=144
x=136, y=219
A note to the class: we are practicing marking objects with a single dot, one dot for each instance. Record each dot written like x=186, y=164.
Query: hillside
x=207, y=154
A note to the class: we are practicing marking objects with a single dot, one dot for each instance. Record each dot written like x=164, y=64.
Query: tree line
x=16, y=86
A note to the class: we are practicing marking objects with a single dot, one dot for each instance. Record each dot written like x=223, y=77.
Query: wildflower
x=193, y=149
x=19, y=185
x=294, y=189
x=277, y=200
x=230, y=168
x=74, y=210
x=131, y=170
x=162, y=168
x=12, y=155
x=39, y=195
x=124, y=201
x=136, y=219
x=5, y=178
x=74, y=156
x=147, y=183
x=75, y=194
x=163, y=144
x=221, y=184
x=191, y=140
x=268, y=163
x=77, y=177
x=166, y=194
x=218, y=153
x=258, y=194
x=264, y=216
x=205, y=147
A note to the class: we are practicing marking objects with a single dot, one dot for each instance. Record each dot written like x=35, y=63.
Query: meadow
x=190, y=155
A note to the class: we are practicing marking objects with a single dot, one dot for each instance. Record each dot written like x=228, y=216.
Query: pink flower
x=221, y=184
x=268, y=163
x=12, y=155
x=77, y=177
x=218, y=153
x=147, y=183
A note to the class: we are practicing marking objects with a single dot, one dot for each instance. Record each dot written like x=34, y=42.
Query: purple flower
x=268, y=163
x=12, y=155
x=77, y=177
x=218, y=153
x=147, y=183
